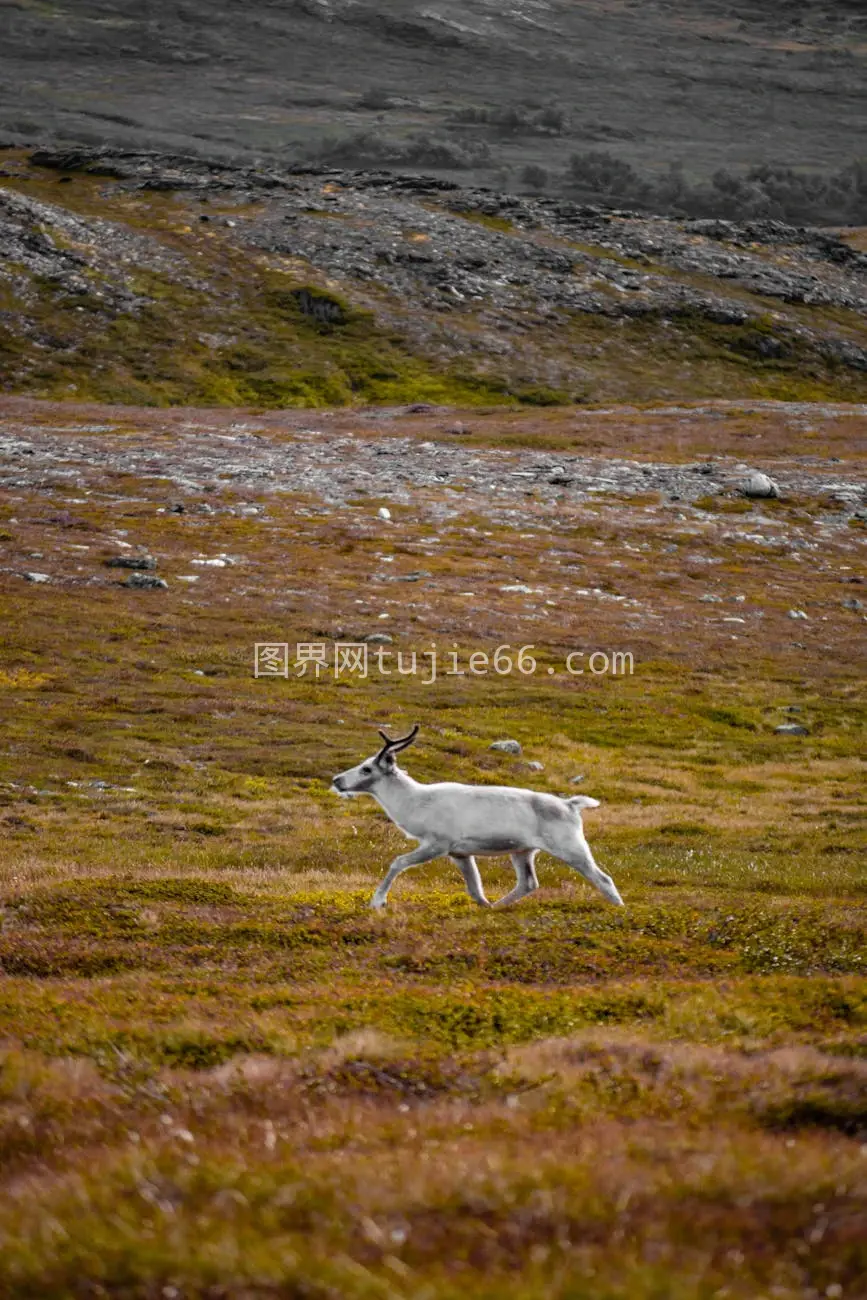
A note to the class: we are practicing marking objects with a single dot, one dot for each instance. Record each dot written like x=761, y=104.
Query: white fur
x=462, y=821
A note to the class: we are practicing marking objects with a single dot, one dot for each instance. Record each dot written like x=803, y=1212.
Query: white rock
x=797, y=613
x=506, y=746
x=760, y=486
x=384, y=512
x=37, y=577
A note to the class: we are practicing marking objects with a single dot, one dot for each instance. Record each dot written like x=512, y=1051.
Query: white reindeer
x=464, y=820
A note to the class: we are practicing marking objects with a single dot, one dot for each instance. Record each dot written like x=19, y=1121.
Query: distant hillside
x=138, y=277
x=502, y=92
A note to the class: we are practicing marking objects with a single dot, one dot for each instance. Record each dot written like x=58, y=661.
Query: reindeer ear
x=386, y=760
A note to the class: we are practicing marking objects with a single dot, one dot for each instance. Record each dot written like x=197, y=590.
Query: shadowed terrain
x=705, y=84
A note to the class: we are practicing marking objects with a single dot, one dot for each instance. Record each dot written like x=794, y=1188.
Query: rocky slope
x=136, y=276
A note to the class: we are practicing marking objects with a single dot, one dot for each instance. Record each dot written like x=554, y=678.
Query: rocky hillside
x=138, y=277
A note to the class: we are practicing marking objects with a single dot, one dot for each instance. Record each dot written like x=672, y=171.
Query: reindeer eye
x=366, y=771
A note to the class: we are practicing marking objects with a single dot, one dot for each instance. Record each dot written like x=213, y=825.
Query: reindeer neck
x=396, y=794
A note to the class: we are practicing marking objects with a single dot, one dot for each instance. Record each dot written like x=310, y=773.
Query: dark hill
x=487, y=88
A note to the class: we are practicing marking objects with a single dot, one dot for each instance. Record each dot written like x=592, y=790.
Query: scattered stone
x=384, y=512
x=797, y=613
x=791, y=729
x=506, y=746
x=576, y=780
x=37, y=577
x=535, y=766
x=853, y=603
x=709, y=599
x=378, y=638
x=459, y=429
x=760, y=487
x=138, y=562
x=145, y=582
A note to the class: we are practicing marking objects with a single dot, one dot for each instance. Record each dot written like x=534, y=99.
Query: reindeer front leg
x=466, y=865
x=425, y=852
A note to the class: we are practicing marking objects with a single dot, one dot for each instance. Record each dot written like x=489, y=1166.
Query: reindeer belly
x=485, y=846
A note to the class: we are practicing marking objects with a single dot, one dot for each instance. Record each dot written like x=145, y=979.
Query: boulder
x=506, y=747
x=145, y=582
x=760, y=487
x=140, y=563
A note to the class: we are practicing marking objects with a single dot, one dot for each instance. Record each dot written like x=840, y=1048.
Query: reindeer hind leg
x=526, y=881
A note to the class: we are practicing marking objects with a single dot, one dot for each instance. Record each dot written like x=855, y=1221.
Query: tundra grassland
x=221, y=1075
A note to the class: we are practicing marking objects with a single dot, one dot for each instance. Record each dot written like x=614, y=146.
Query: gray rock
x=145, y=582
x=378, y=638
x=536, y=766
x=853, y=603
x=576, y=780
x=138, y=562
x=791, y=729
x=506, y=746
x=797, y=613
x=37, y=577
x=760, y=486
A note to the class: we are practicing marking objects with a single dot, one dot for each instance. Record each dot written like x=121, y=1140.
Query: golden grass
x=222, y=1076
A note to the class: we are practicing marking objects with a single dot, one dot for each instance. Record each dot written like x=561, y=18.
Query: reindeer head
x=364, y=778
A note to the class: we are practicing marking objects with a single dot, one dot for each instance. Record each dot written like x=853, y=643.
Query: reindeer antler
x=395, y=746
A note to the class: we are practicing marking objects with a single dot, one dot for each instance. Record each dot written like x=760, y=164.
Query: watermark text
x=336, y=660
